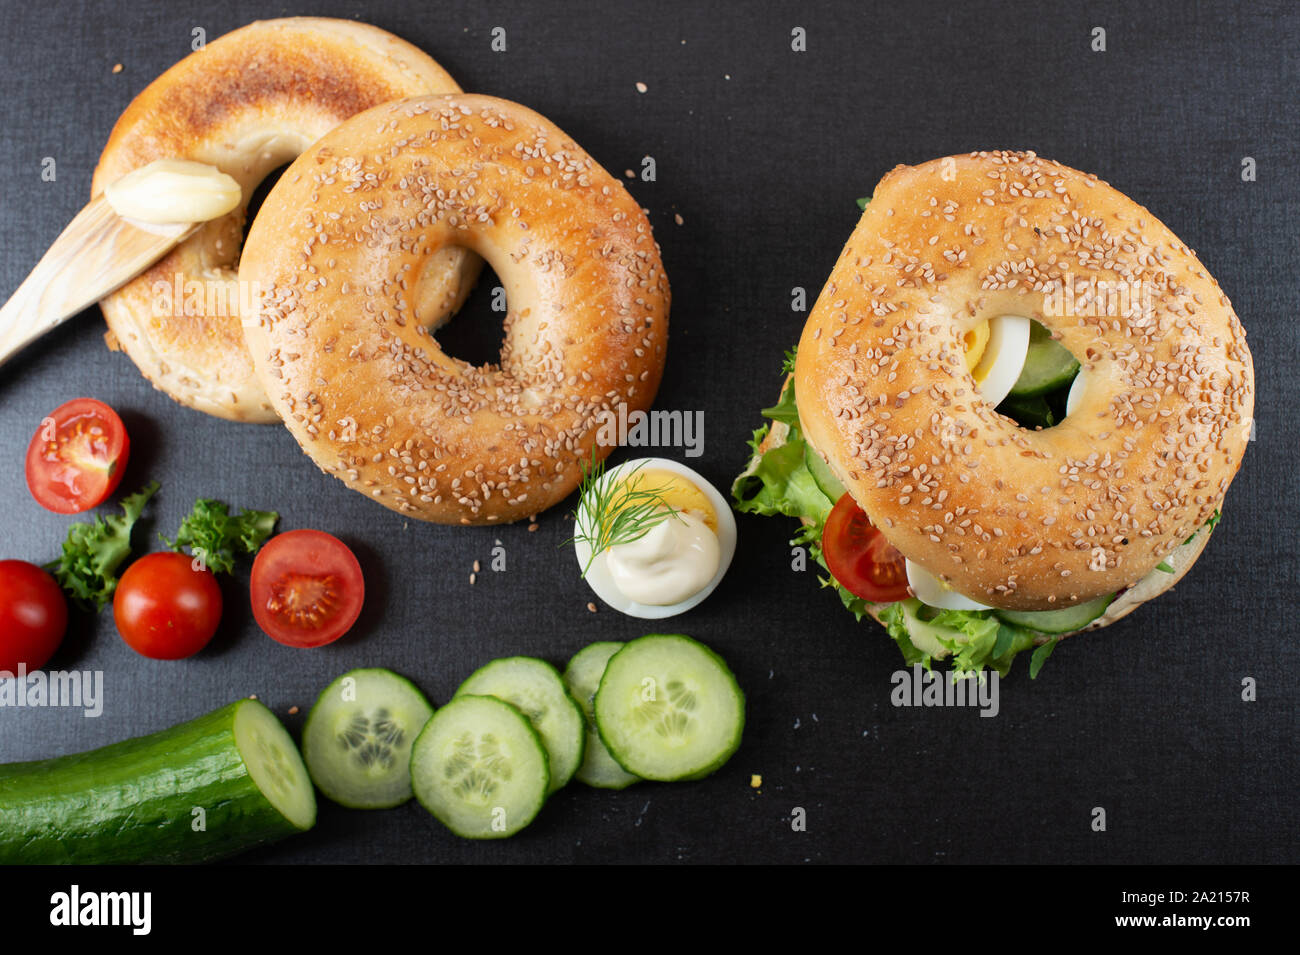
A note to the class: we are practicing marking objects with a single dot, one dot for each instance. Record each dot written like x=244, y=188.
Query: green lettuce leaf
x=781, y=484
x=1040, y=656
x=216, y=537
x=778, y=481
x=92, y=553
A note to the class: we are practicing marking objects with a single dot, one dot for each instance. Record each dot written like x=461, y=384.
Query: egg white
x=1003, y=358
x=598, y=576
x=1077, y=388
x=932, y=591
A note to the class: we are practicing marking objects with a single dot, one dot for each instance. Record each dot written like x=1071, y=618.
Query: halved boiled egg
x=933, y=592
x=674, y=565
x=995, y=355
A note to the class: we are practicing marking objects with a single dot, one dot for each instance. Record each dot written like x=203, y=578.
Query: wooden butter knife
x=97, y=253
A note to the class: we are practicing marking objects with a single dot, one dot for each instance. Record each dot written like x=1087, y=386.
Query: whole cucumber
x=211, y=787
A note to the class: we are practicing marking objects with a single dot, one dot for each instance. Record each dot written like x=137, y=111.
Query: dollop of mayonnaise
x=173, y=190
x=673, y=561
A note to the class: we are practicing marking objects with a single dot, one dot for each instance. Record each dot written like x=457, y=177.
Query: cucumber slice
x=480, y=767
x=822, y=474
x=1065, y=620
x=1048, y=365
x=668, y=708
x=582, y=677
x=536, y=689
x=202, y=790
x=357, y=741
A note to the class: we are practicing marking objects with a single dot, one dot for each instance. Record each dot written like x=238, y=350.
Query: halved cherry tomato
x=77, y=456
x=166, y=607
x=307, y=589
x=858, y=555
x=33, y=616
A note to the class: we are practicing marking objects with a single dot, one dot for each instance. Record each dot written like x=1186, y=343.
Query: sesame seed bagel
x=248, y=103
x=1014, y=518
x=339, y=248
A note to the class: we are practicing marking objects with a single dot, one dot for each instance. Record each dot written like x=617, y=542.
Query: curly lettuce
x=92, y=553
x=216, y=537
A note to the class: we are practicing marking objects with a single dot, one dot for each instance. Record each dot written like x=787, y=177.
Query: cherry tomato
x=33, y=616
x=860, y=558
x=77, y=456
x=166, y=608
x=307, y=588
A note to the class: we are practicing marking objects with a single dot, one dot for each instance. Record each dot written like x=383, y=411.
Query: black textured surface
x=761, y=151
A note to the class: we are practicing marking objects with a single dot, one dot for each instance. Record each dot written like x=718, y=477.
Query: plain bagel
x=1021, y=519
x=338, y=249
x=248, y=103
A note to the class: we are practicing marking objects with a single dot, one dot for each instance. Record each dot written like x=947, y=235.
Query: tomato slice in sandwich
x=860, y=558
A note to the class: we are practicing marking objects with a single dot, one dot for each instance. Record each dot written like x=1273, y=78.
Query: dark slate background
x=761, y=151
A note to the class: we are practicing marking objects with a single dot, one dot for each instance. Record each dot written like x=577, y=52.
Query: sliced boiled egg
x=999, y=347
x=1077, y=388
x=682, y=559
x=933, y=592
x=975, y=340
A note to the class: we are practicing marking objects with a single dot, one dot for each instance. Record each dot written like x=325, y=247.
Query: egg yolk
x=975, y=341
x=677, y=492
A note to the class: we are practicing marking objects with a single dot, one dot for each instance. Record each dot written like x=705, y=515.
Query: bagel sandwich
x=987, y=449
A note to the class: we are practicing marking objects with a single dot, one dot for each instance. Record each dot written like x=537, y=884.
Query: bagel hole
x=259, y=195
x=1039, y=412
x=477, y=334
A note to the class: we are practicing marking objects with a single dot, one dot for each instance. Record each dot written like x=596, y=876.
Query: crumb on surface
x=117, y=67
x=591, y=606
x=629, y=173
x=472, y=578
x=477, y=567
x=641, y=87
x=678, y=219
x=532, y=527
x=755, y=781
x=293, y=711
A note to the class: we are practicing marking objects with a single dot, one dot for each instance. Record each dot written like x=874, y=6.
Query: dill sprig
x=616, y=512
